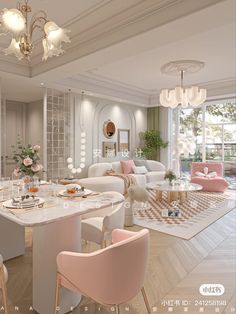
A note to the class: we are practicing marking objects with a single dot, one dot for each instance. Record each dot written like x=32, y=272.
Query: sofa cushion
x=103, y=184
x=155, y=165
x=127, y=166
x=155, y=176
x=142, y=162
x=140, y=179
x=140, y=170
x=99, y=169
x=116, y=166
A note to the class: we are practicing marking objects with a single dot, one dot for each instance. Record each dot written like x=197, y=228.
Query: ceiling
x=117, y=49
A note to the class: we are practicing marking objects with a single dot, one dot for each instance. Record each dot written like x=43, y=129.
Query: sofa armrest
x=99, y=169
x=155, y=165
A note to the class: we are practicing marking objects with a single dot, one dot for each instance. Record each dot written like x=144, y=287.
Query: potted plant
x=170, y=175
x=152, y=144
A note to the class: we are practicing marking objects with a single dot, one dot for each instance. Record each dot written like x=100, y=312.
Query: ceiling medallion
x=16, y=22
x=193, y=96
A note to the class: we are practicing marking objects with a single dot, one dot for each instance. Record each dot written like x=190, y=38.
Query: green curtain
x=153, y=115
x=153, y=118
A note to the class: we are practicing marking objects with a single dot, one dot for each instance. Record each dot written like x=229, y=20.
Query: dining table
x=56, y=227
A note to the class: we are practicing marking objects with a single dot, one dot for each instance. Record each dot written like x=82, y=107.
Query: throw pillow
x=142, y=162
x=212, y=174
x=140, y=170
x=199, y=174
x=127, y=166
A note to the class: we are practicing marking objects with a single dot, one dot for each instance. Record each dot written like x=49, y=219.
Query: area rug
x=199, y=211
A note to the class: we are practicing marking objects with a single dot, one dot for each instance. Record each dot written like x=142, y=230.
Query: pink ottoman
x=215, y=184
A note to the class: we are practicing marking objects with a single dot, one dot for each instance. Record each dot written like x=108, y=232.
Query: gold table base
x=173, y=196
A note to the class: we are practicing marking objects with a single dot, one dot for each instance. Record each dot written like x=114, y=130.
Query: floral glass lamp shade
x=16, y=23
x=180, y=95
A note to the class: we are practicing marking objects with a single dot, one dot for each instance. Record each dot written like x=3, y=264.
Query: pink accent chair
x=109, y=276
x=3, y=280
x=215, y=184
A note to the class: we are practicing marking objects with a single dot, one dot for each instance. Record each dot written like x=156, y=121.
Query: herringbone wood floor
x=176, y=270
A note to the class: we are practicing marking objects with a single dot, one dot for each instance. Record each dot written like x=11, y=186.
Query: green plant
x=152, y=143
x=170, y=175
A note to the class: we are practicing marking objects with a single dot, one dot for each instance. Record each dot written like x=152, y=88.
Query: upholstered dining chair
x=3, y=280
x=110, y=276
x=99, y=229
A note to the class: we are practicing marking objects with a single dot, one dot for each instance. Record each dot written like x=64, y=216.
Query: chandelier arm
x=35, y=16
x=34, y=25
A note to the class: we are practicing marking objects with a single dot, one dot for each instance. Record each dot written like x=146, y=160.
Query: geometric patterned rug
x=199, y=211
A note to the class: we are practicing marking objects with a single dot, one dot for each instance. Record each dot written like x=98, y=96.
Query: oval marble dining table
x=56, y=227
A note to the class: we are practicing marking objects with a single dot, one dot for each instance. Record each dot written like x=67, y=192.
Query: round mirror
x=109, y=129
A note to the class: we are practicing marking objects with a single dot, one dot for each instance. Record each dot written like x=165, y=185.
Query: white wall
x=34, y=124
x=90, y=113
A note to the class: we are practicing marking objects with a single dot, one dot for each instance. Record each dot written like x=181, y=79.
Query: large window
x=213, y=129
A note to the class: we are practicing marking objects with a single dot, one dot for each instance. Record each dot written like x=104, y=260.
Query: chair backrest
x=113, y=275
x=3, y=270
x=114, y=220
x=212, y=167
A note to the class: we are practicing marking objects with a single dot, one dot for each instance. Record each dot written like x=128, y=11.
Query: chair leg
x=4, y=291
x=117, y=309
x=57, y=294
x=146, y=301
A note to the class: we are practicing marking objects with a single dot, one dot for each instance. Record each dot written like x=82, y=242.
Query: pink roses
x=36, y=148
x=27, y=161
x=37, y=168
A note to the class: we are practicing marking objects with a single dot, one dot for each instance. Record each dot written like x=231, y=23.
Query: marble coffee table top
x=180, y=187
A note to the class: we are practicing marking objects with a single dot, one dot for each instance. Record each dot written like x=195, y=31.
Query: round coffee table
x=174, y=192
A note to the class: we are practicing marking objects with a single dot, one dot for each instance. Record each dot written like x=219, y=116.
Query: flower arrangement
x=170, y=175
x=27, y=160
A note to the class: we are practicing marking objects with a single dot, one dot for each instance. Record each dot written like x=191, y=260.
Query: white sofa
x=98, y=181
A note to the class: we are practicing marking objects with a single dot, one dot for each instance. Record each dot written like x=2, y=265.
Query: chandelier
x=193, y=96
x=16, y=22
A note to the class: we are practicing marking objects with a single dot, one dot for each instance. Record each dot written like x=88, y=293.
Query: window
x=213, y=129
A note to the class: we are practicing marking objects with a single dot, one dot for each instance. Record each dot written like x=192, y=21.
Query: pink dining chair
x=109, y=276
x=3, y=280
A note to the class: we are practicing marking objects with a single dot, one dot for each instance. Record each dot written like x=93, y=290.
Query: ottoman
x=103, y=184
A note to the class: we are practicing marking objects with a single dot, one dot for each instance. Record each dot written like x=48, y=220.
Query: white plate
x=39, y=201
x=78, y=194
x=42, y=182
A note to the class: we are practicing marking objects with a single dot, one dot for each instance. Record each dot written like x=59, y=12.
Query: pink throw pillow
x=127, y=166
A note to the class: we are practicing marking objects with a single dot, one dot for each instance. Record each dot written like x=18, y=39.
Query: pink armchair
x=214, y=184
x=110, y=276
x=3, y=280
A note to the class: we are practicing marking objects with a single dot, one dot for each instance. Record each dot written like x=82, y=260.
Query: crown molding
x=10, y=64
x=137, y=18
x=105, y=88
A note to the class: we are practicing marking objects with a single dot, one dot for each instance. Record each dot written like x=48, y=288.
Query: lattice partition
x=58, y=133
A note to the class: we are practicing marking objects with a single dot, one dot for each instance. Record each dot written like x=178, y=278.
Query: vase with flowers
x=170, y=176
x=28, y=163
